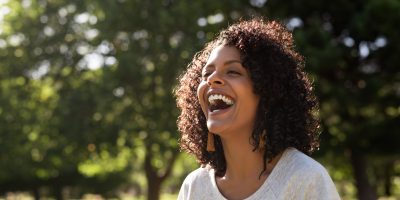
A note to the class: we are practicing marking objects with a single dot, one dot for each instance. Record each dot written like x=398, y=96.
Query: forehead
x=223, y=53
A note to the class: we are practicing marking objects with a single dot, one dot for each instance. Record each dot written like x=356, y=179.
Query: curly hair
x=287, y=108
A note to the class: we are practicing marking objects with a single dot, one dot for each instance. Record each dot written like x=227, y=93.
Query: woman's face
x=226, y=93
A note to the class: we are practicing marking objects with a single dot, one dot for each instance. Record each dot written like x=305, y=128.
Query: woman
x=248, y=115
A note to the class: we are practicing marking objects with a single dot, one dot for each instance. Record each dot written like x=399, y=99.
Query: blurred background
x=86, y=103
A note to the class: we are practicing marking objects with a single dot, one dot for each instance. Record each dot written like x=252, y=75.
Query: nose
x=215, y=79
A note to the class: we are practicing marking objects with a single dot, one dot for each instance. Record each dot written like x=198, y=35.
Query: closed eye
x=234, y=72
x=206, y=75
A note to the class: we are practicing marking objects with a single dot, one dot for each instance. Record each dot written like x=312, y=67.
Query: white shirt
x=295, y=176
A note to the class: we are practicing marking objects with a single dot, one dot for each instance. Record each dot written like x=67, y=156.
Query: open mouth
x=219, y=102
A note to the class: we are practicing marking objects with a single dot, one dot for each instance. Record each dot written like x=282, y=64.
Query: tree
x=110, y=80
x=53, y=103
x=350, y=50
x=86, y=86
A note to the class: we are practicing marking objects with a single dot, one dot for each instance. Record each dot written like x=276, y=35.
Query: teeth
x=214, y=97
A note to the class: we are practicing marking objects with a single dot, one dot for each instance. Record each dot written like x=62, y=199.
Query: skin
x=225, y=74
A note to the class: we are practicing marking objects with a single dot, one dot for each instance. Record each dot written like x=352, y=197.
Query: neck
x=241, y=161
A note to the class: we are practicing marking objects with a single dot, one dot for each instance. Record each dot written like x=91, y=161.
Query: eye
x=233, y=72
x=206, y=74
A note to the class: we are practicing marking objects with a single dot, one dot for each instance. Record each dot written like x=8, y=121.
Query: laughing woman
x=248, y=116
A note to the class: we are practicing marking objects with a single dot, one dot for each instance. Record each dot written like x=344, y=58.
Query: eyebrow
x=225, y=63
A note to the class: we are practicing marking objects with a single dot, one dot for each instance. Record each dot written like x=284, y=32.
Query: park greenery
x=86, y=103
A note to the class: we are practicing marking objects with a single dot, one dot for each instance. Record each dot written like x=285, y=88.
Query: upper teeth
x=214, y=97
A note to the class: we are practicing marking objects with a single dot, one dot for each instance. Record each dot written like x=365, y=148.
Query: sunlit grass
x=169, y=196
x=27, y=196
x=164, y=196
x=346, y=189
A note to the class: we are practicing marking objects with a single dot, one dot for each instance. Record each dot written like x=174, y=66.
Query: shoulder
x=304, y=164
x=306, y=168
x=307, y=177
x=199, y=175
x=195, y=184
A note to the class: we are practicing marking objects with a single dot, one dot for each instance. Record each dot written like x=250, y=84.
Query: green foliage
x=86, y=86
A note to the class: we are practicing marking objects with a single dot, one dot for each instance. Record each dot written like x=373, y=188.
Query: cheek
x=200, y=94
x=252, y=98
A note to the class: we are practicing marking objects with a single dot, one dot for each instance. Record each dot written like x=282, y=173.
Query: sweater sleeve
x=321, y=186
x=196, y=186
x=184, y=191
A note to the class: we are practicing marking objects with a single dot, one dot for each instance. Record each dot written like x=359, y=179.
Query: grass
x=27, y=196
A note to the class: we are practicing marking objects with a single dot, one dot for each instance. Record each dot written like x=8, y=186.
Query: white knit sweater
x=295, y=176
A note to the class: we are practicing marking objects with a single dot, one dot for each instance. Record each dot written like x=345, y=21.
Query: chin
x=216, y=128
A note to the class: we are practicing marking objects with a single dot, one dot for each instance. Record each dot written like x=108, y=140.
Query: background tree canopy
x=86, y=102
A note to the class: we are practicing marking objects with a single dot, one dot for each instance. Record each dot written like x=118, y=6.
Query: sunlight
x=4, y=10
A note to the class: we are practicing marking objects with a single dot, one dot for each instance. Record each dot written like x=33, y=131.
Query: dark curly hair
x=287, y=111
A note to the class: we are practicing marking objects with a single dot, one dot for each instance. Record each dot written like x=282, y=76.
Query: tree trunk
x=154, y=179
x=365, y=191
x=387, y=178
x=57, y=190
x=153, y=189
x=36, y=193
